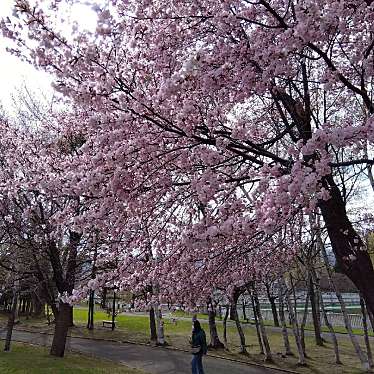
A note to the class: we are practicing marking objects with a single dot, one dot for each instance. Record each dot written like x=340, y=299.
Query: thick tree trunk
x=214, y=339
x=65, y=281
x=232, y=312
x=61, y=330
x=350, y=252
x=71, y=316
x=160, y=326
x=152, y=325
x=274, y=311
x=282, y=318
x=11, y=320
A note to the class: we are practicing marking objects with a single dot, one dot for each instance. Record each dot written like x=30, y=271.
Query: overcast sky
x=14, y=73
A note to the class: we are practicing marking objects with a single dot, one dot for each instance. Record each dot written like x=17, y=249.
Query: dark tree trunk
x=28, y=309
x=74, y=240
x=272, y=305
x=10, y=324
x=244, y=313
x=268, y=355
x=54, y=311
x=61, y=330
x=274, y=311
x=71, y=316
x=91, y=300
x=303, y=322
x=257, y=325
x=243, y=348
x=152, y=325
x=286, y=340
x=64, y=318
x=232, y=312
x=88, y=326
x=113, y=309
x=350, y=253
x=91, y=305
x=214, y=339
x=315, y=314
x=351, y=256
x=225, y=327
x=103, y=298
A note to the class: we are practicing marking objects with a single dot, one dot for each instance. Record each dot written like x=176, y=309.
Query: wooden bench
x=112, y=324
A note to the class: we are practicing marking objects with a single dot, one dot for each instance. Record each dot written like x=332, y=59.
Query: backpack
x=204, y=346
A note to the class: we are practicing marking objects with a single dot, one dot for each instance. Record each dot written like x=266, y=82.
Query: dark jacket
x=199, y=340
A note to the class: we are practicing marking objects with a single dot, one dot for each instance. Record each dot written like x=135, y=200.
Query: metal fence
x=336, y=319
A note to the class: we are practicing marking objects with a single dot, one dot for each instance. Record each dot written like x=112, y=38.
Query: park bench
x=111, y=323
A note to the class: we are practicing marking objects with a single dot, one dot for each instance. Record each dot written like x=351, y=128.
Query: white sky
x=14, y=73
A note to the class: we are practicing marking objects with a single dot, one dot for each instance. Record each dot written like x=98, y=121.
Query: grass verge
x=27, y=359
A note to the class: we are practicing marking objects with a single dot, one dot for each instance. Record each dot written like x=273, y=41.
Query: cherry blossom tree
x=231, y=113
x=37, y=215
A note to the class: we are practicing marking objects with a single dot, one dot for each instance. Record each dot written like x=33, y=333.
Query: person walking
x=199, y=348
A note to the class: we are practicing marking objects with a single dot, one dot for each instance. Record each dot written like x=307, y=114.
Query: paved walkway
x=153, y=360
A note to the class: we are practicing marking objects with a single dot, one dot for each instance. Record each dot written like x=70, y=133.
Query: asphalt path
x=153, y=360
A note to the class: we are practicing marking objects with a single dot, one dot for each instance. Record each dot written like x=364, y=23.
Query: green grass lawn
x=135, y=328
x=308, y=327
x=182, y=313
x=27, y=359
